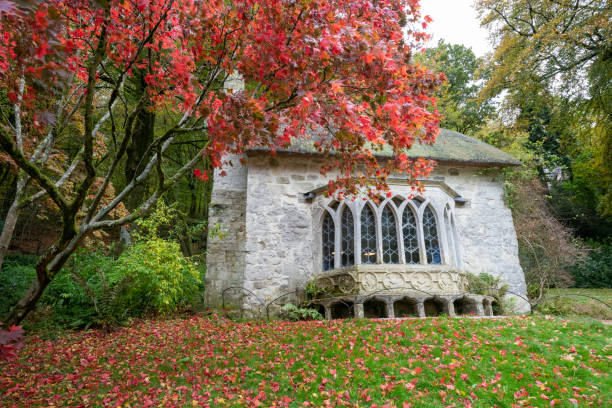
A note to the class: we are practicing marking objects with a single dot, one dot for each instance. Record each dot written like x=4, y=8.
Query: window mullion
x=338, y=241
x=421, y=237
x=379, y=245
x=400, y=233
x=357, y=235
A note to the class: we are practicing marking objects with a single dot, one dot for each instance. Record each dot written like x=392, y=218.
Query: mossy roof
x=450, y=147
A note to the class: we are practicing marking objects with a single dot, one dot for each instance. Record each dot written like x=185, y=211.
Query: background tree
x=552, y=70
x=561, y=48
x=70, y=72
x=458, y=99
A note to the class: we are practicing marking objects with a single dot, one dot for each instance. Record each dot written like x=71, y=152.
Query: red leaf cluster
x=11, y=341
x=337, y=72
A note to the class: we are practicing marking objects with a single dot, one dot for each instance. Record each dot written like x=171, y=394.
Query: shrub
x=312, y=291
x=571, y=306
x=16, y=275
x=485, y=284
x=75, y=294
x=547, y=248
x=156, y=278
x=595, y=271
x=292, y=312
x=94, y=289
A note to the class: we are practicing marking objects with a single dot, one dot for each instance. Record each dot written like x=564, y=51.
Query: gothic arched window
x=411, y=242
x=383, y=234
x=368, y=236
x=348, y=231
x=390, y=251
x=329, y=236
x=430, y=235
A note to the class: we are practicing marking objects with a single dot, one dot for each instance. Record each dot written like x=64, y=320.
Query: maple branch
x=32, y=170
x=129, y=128
x=81, y=190
x=284, y=102
x=73, y=165
x=17, y=108
x=144, y=208
x=297, y=20
x=572, y=17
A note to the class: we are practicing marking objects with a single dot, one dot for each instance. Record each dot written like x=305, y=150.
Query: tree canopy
x=553, y=61
x=458, y=98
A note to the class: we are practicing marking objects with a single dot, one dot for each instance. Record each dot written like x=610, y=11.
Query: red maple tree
x=337, y=71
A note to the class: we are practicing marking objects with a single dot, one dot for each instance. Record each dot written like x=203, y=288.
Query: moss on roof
x=450, y=147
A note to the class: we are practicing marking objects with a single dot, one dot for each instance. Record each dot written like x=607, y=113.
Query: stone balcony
x=398, y=291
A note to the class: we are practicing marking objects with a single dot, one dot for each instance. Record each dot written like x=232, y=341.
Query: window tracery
x=368, y=236
x=329, y=236
x=390, y=250
x=379, y=238
x=430, y=236
x=411, y=241
x=347, y=257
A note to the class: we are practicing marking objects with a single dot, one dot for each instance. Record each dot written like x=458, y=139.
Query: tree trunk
x=138, y=151
x=28, y=301
x=11, y=218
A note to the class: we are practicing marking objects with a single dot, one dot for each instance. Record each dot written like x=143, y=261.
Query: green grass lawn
x=505, y=362
x=579, y=305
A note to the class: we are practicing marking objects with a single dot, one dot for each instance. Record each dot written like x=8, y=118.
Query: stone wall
x=226, y=252
x=273, y=244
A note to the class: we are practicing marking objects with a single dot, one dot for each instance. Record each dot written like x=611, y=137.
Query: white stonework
x=272, y=243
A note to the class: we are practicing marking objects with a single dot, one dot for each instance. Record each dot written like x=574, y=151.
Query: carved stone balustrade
x=398, y=291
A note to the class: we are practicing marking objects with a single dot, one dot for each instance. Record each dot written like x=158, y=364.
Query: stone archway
x=406, y=307
x=374, y=308
x=465, y=306
x=434, y=307
x=342, y=310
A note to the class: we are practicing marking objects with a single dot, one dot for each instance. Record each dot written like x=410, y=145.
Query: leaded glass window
x=348, y=241
x=329, y=236
x=389, y=236
x=411, y=242
x=368, y=236
x=430, y=234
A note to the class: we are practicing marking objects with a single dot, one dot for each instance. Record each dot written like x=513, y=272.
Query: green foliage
x=292, y=312
x=169, y=223
x=486, y=284
x=94, y=289
x=163, y=221
x=578, y=201
x=457, y=99
x=557, y=89
x=15, y=277
x=74, y=295
x=312, y=291
x=577, y=302
x=595, y=270
x=157, y=277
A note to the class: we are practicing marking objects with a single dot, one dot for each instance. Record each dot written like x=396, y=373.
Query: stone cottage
x=393, y=257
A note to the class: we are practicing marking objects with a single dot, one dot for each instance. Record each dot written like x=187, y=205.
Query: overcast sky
x=456, y=22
